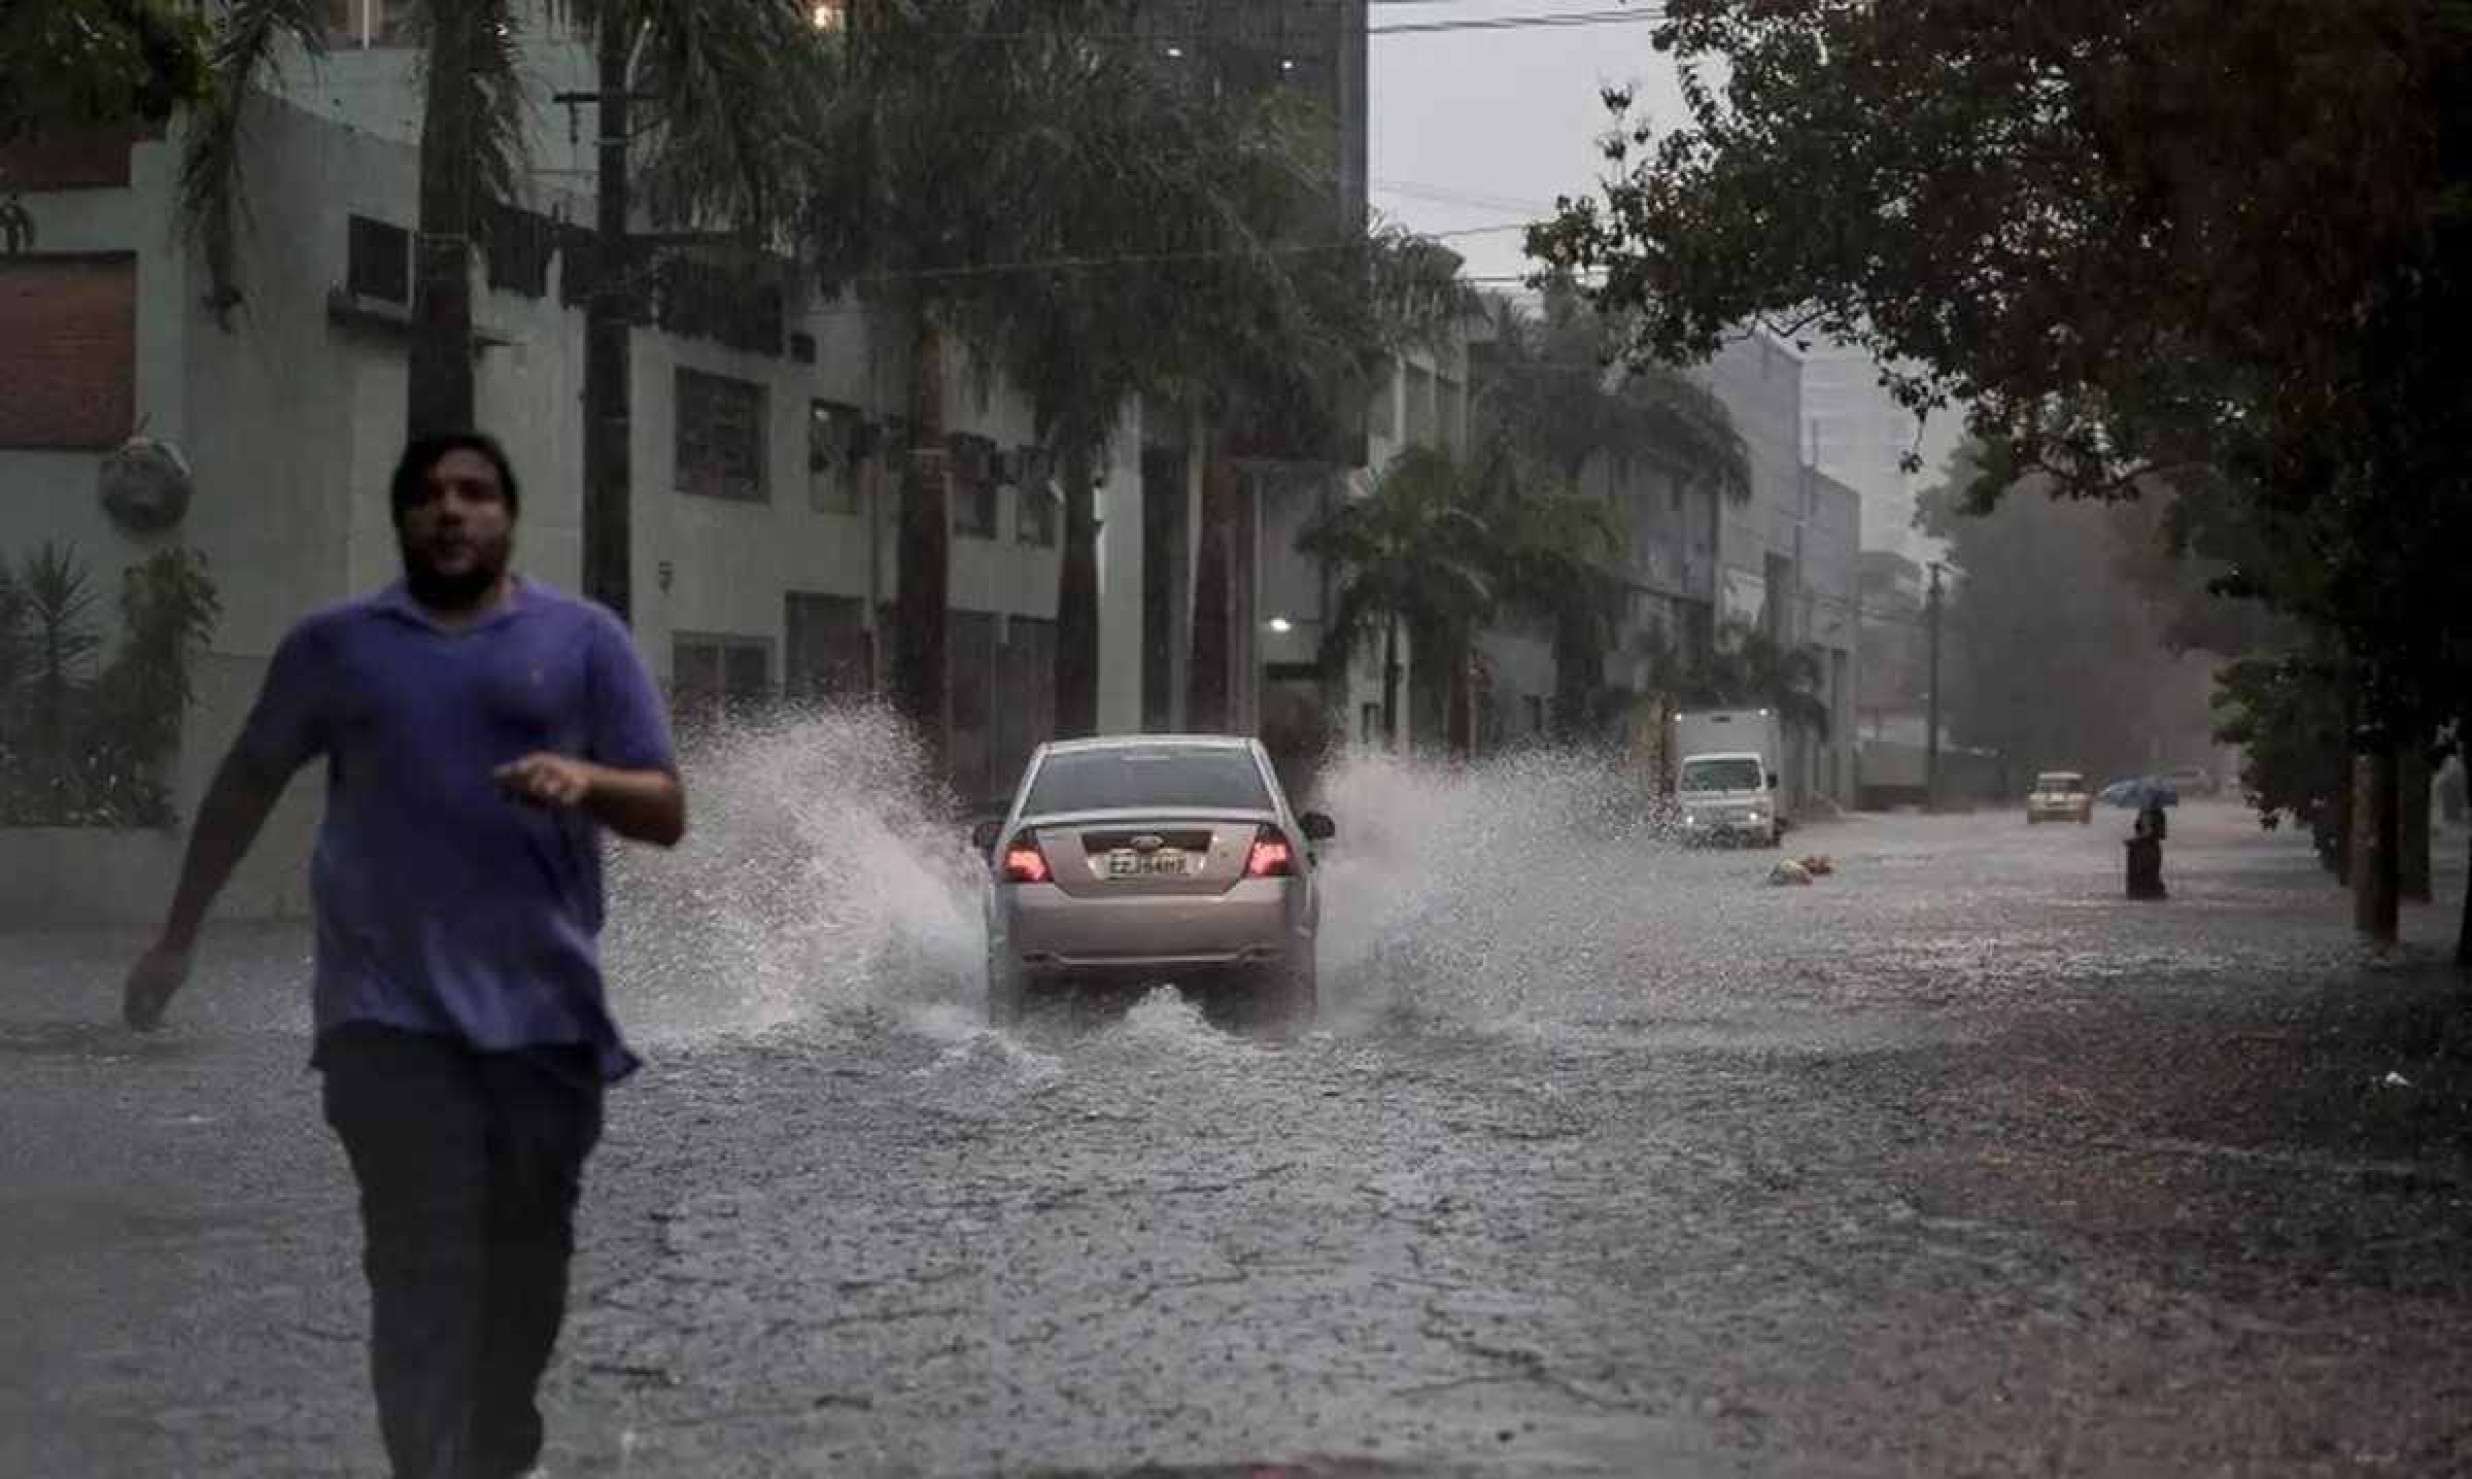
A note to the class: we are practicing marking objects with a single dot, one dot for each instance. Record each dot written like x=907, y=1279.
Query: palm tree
x=1556, y=555
x=949, y=147
x=1751, y=667
x=1547, y=392
x=1167, y=200
x=1412, y=553
x=471, y=149
x=999, y=172
x=57, y=598
x=1291, y=372
x=722, y=84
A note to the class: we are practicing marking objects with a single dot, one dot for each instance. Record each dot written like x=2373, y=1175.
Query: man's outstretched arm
x=235, y=807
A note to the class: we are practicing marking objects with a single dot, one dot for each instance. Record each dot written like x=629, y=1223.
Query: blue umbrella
x=2135, y=794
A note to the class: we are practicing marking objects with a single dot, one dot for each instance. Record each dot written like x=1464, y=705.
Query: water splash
x=824, y=883
x=822, y=876
x=1457, y=892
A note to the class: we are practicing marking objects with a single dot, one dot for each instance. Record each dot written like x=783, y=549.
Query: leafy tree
x=2056, y=659
x=78, y=64
x=2135, y=240
x=68, y=65
x=168, y=610
x=2287, y=713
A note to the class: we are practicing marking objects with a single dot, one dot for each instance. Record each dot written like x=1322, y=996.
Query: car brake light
x=1024, y=863
x=1271, y=857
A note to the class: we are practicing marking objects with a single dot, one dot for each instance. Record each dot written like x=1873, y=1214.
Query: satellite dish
x=145, y=485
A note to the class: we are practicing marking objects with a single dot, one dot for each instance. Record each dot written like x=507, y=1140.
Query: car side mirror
x=983, y=834
x=1772, y=780
x=1318, y=827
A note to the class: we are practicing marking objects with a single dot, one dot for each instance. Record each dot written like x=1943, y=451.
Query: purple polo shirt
x=443, y=905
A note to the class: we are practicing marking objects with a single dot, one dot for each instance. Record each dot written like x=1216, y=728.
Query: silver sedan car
x=1153, y=857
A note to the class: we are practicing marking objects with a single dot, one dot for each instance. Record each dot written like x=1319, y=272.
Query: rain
x=1806, y=800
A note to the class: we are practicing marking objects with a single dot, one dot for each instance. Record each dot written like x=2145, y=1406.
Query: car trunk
x=1124, y=857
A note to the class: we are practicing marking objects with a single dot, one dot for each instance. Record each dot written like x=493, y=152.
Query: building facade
x=765, y=423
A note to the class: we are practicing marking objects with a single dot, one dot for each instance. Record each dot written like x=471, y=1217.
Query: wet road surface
x=1606, y=1159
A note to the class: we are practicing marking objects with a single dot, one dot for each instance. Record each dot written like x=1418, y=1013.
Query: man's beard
x=460, y=591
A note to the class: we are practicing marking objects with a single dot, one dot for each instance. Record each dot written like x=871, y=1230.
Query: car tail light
x=1023, y=862
x=1271, y=856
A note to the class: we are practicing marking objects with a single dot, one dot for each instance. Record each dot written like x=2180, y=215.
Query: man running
x=479, y=731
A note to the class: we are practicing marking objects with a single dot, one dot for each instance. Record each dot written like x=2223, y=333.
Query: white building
x=1787, y=556
x=762, y=514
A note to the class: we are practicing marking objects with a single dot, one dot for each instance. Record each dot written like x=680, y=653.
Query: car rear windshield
x=1167, y=777
x=2060, y=782
x=1721, y=775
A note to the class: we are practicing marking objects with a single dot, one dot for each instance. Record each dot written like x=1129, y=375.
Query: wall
x=292, y=420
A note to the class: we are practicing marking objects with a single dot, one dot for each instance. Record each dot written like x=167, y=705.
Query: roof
x=1148, y=742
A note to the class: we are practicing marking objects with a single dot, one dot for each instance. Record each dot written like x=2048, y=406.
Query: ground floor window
x=716, y=678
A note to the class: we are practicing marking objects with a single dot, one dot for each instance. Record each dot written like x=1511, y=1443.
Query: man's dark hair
x=411, y=482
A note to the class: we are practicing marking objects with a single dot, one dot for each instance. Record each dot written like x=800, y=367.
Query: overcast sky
x=1481, y=129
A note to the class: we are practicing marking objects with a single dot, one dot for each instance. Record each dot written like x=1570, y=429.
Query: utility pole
x=1931, y=715
x=609, y=544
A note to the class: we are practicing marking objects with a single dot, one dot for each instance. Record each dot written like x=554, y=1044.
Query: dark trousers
x=469, y=1164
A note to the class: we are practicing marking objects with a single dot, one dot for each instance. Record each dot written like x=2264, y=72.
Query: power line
x=1541, y=21
x=1137, y=259
x=1553, y=20
x=1446, y=195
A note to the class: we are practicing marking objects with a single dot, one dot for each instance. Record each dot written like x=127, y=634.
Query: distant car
x=2060, y=796
x=1729, y=797
x=1153, y=857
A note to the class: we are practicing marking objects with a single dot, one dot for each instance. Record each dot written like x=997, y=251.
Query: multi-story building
x=1787, y=554
x=765, y=423
x=1314, y=48
x=764, y=418
x=1859, y=435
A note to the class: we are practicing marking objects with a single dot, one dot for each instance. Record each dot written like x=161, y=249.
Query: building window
x=974, y=486
x=833, y=433
x=829, y=653
x=1039, y=517
x=1382, y=412
x=720, y=441
x=378, y=261
x=358, y=25
x=718, y=678
x=1037, y=507
x=1421, y=428
x=519, y=247
x=68, y=351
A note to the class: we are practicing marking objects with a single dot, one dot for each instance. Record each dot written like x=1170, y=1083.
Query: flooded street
x=1605, y=1158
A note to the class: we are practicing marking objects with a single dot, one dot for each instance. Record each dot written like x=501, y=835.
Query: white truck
x=1726, y=775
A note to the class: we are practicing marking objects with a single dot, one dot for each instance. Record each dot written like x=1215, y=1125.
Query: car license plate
x=1126, y=863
